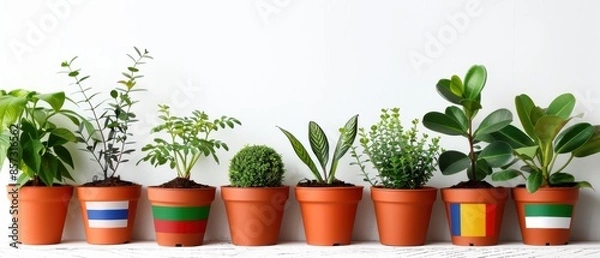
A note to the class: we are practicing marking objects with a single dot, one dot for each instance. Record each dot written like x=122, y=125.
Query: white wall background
x=285, y=62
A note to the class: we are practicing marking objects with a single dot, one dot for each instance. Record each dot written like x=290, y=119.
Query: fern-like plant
x=320, y=147
x=403, y=158
x=107, y=135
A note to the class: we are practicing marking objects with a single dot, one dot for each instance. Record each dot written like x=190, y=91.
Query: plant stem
x=104, y=166
x=566, y=164
x=472, y=150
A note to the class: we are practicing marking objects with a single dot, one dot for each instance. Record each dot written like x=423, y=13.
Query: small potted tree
x=474, y=208
x=256, y=198
x=328, y=205
x=108, y=204
x=181, y=206
x=34, y=144
x=546, y=203
x=404, y=161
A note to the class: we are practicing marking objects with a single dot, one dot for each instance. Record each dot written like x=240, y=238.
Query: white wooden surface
x=301, y=250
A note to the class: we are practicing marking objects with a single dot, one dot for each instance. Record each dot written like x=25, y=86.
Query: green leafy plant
x=31, y=138
x=546, y=137
x=320, y=147
x=458, y=120
x=256, y=166
x=107, y=134
x=403, y=158
x=189, y=140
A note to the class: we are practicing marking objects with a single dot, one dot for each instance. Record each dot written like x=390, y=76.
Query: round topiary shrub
x=256, y=166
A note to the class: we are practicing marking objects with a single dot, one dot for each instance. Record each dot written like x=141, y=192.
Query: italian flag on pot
x=548, y=216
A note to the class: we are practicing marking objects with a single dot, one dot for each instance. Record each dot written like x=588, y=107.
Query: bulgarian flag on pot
x=552, y=216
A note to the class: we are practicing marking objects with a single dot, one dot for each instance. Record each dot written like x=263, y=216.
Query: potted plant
x=108, y=204
x=474, y=208
x=328, y=205
x=34, y=144
x=181, y=206
x=546, y=203
x=404, y=161
x=256, y=198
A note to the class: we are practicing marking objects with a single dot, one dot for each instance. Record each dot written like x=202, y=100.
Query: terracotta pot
x=403, y=215
x=545, y=217
x=39, y=213
x=108, y=213
x=474, y=215
x=328, y=213
x=254, y=214
x=180, y=214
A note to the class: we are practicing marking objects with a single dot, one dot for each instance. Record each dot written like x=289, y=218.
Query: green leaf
x=456, y=86
x=562, y=106
x=443, y=88
x=481, y=171
x=459, y=116
x=442, y=123
x=302, y=154
x=513, y=136
x=472, y=105
x=584, y=184
x=56, y=100
x=114, y=94
x=133, y=69
x=534, y=181
x=548, y=127
x=561, y=178
x=536, y=114
x=32, y=149
x=526, y=153
x=475, y=81
x=63, y=154
x=494, y=121
x=506, y=174
x=573, y=137
x=11, y=108
x=4, y=146
x=592, y=146
x=73, y=74
x=496, y=154
x=60, y=136
x=524, y=105
x=345, y=141
x=452, y=162
x=318, y=143
x=48, y=168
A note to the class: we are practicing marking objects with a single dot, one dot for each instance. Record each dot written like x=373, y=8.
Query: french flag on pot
x=107, y=214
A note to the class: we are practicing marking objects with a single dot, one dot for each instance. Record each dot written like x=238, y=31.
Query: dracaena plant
x=320, y=147
x=546, y=137
x=189, y=139
x=403, y=158
x=107, y=134
x=458, y=120
x=32, y=139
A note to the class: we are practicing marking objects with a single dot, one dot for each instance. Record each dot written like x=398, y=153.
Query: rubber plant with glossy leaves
x=404, y=161
x=256, y=198
x=328, y=205
x=108, y=203
x=545, y=205
x=181, y=206
x=474, y=208
x=33, y=142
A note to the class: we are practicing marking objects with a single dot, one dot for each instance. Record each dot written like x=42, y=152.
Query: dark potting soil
x=108, y=182
x=554, y=185
x=473, y=184
x=182, y=183
x=315, y=183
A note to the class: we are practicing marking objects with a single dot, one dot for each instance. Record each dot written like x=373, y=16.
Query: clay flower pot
x=403, y=214
x=474, y=214
x=254, y=214
x=180, y=214
x=108, y=213
x=328, y=213
x=546, y=216
x=41, y=213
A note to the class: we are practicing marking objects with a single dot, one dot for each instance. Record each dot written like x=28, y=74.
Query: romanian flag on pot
x=548, y=215
x=472, y=219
